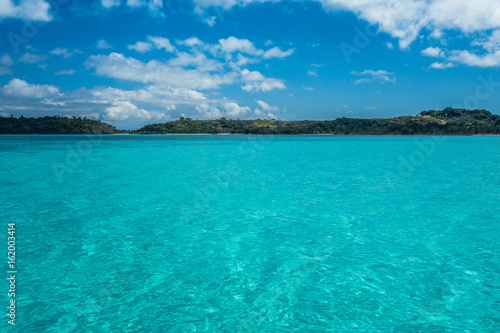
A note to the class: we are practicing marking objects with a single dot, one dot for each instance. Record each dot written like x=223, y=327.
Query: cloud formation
x=34, y=10
x=21, y=89
x=369, y=75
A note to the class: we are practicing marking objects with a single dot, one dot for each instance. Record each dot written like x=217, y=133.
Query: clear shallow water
x=253, y=234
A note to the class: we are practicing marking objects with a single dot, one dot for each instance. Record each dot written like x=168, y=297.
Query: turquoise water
x=253, y=234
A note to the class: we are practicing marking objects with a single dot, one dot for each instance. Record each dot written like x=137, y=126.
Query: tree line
x=447, y=121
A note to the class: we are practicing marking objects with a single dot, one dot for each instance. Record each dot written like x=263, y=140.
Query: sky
x=135, y=62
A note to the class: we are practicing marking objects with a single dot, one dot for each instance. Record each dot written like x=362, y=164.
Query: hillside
x=448, y=121
x=53, y=125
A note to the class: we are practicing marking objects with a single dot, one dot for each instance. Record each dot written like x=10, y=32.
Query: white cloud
x=265, y=115
x=156, y=42
x=32, y=58
x=434, y=52
x=6, y=60
x=141, y=47
x=241, y=60
x=234, y=110
x=21, y=88
x=191, y=42
x=308, y=88
x=120, y=67
x=125, y=110
x=276, y=52
x=232, y=45
x=65, y=72
x=465, y=57
x=199, y=61
x=210, y=21
x=162, y=43
x=439, y=65
x=33, y=10
x=101, y=44
x=312, y=73
x=208, y=111
x=63, y=52
x=110, y=3
x=389, y=45
x=406, y=19
x=5, y=70
x=154, y=5
x=381, y=76
x=264, y=86
x=257, y=82
x=266, y=107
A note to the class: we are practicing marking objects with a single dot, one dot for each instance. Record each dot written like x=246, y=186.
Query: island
x=450, y=121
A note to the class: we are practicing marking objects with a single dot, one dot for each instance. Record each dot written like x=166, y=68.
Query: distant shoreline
x=322, y=134
x=448, y=122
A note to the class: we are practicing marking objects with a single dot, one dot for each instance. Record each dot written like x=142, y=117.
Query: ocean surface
x=252, y=233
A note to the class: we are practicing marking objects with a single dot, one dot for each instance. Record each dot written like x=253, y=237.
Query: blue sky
x=133, y=62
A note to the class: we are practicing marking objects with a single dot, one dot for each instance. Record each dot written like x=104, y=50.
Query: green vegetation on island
x=54, y=125
x=447, y=122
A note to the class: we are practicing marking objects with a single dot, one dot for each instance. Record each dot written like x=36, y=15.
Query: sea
x=242, y=233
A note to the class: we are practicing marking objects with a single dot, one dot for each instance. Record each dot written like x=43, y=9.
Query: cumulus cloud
x=177, y=72
x=276, y=52
x=312, y=73
x=21, y=89
x=198, y=61
x=154, y=5
x=232, y=45
x=6, y=60
x=120, y=67
x=64, y=52
x=34, y=10
x=407, y=19
x=141, y=47
x=266, y=110
x=234, y=110
x=256, y=82
x=208, y=111
x=110, y=3
x=65, y=72
x=125, y=110
x=369, y=75
x=153, y=42
x=102, y=44
x=5, y=70
x=32, y=58
x=210, y=21
x=487, y=60
x=439, y=65
x=5, y=63
x=434, y=52
x=162, y=43
x=191, y=42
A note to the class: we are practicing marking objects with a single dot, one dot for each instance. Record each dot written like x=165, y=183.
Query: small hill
x=447, y=121
x=53, y=125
